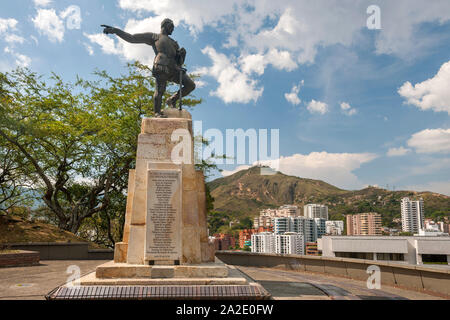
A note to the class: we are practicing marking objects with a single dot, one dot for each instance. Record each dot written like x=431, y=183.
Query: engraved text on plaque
x=163, y=240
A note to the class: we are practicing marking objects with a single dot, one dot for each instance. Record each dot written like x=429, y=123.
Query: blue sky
x=354, y=106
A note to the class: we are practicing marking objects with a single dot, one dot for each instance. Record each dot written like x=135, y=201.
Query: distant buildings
x=224, y=242
x=266, y=216
x=263, y=242
x=291, y=230
x=311, y=229
x=315, y=211
x=312, y=249
x=245, y=236
x=412, y=250
x=413, y=215
x=288, y=243
x=364, y=224
x=334, y=228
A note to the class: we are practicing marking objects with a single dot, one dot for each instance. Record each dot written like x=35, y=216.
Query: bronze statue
x=168, y=62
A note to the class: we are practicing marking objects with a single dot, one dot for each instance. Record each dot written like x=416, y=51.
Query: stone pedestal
x=165, y=243
x=166, y=213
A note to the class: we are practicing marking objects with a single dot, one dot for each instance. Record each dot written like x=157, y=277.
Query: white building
x=315, y=211
x=311, y=229
x=412, y=250
x=288, y=211
x=267, y=216
x=289, y=243
x=334, y=228
x=413, y=215
x=263, y=242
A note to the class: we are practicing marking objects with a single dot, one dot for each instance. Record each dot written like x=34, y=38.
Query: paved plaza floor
x=33, y=283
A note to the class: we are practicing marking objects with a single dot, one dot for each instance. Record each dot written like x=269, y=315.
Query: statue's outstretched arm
x=148, y=38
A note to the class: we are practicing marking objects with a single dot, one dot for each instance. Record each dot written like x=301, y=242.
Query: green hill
x=245, y=193
x=15, y=229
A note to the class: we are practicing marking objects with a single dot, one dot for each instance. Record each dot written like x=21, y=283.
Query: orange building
x=311, y=249
x=246, y=235
x=224, y=242
x=364, y=224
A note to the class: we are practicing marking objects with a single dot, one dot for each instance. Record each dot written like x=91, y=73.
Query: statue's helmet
x=166, y=22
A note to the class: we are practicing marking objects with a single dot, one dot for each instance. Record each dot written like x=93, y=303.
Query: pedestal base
x=112, y=270
x=252, y=291
x=116, y=281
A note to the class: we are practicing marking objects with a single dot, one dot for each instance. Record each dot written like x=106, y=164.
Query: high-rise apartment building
x=315, y=211
x=311, y=229
x=288, y=211
x=289, y=243
x=364, y=224
x=413, y=215
x=267, y=216
x=263, y=242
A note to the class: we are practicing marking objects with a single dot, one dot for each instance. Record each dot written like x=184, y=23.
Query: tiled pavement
x=33, y=283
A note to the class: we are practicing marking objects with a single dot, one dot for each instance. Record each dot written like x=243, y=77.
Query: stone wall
x=421, y=278
x=19, y=259
x=64, y=251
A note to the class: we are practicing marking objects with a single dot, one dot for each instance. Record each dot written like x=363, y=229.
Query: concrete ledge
x=19, y=259
x=420, y=278
x=91, y=279
x=111, y=270
x=64, y=251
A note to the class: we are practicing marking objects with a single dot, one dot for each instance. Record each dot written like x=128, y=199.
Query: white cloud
x=42, y=3
x=116, y=46
x=234, y=85
x=335, y=168
x=398, y=152
x=89, y=49
x=292, y=97
x=317, y=107
x=106, y=43
x=300, y=26
x=21, y=60
x=288, y=33
x=347, y=109
x=432, y=94
x=196, y=14
x=7, y=24
x=13, y=38
x=431, y=141
x=257, y=63
x=47, y=22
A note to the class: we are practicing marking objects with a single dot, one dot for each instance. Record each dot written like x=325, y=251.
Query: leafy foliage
x=75, y=143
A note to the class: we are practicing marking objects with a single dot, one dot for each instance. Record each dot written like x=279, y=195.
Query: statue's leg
x=161, y=84
x=188, y=87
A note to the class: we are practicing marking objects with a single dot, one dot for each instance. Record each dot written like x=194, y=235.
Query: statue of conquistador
x=168, y=61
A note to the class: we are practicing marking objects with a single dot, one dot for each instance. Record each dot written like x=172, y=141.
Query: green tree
x=77, y=140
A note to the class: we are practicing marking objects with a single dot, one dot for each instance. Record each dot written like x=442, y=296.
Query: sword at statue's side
x=182, y=70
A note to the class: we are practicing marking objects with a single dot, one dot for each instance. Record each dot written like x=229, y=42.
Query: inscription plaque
x=163, y=239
